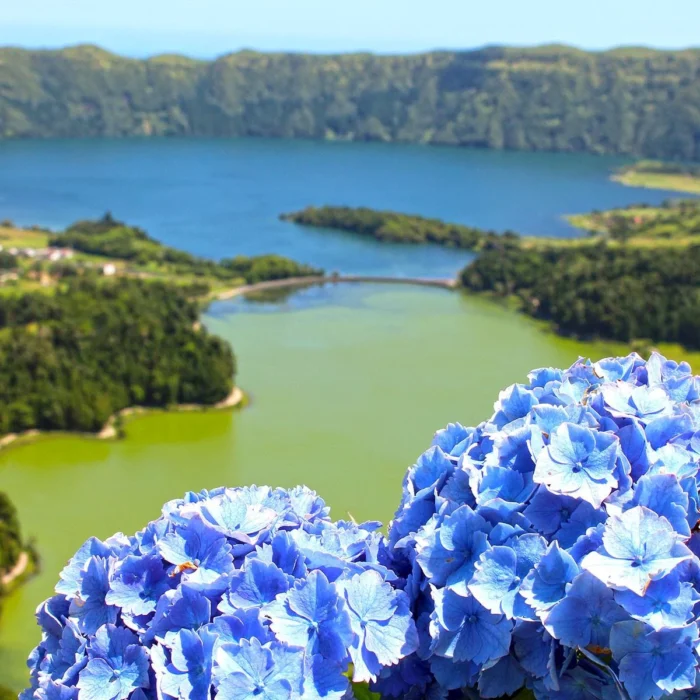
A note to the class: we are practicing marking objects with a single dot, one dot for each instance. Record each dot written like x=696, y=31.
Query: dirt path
x=17, y=570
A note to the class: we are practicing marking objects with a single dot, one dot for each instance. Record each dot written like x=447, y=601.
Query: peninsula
x=102, y=317
x=392, y=227
x=656, y=175
x=630, y=101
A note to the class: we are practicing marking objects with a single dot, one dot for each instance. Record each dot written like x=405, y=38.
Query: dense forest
x=10, y=535
x=627, y=101
x=389, y=226
x=619, y=292
x=70, y=359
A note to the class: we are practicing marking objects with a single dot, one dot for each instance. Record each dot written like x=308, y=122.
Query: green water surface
x=348, y=385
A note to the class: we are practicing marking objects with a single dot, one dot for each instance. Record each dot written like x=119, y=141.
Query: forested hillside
x=628, y=101
x=635, y=278
x=71, y=359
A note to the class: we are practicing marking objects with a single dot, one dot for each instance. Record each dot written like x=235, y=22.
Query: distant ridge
x=630, y=100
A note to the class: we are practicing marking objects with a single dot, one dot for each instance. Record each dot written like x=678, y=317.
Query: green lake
x=347, y=386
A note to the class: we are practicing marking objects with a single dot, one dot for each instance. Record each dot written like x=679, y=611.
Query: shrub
x=253, y=592
x=554, y=546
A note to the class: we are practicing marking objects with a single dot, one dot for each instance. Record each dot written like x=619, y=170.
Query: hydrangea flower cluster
x=555, y=546
x=245, y=594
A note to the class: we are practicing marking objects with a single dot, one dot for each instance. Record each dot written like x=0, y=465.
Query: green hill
x=629, y=101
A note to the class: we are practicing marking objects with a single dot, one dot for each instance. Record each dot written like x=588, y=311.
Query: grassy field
x=11, y=237
x=660, y=181
x=673, y=224
x=657, y=175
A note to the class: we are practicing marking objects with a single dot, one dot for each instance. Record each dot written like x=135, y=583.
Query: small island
x=102, y=317
x=392, y=227
x=657, y=175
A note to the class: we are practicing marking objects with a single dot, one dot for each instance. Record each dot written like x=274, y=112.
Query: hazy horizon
x=319, y=52
x=141, y=28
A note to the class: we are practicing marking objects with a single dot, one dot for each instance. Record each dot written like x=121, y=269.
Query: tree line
x=392, y=227
x=10, y=535
x=550, y=98
x=68, y=361
x=618, y=292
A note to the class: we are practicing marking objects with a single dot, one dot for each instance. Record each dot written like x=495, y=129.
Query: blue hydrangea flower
x=63, y=653
x=249, y=671
x=638, y=548
x=381, y=622
x=324, y=680
x=448, y=553
x=200, y=550
x=312, y=615
x=189, y=673
x=505, y=677
x=72, y=574
x=137, y=584
x=464, y=630
x=513, y=404
x=500, y=573
x=552, y=547
x=644, y=403
x=545, y=584
x=239, y=517
x=579, y=462
x=548, y=511
x=118, y=665
x=578, y=684
x=666, y=603
x=654, y=663
x=238, y=592
x=90, y=607
x=586, y=615
x=241, y=624
x=663, y=494
x=184, y=608
x=258, y=584
x=581, y=491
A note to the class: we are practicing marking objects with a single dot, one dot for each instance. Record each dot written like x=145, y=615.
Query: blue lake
x=220, y=198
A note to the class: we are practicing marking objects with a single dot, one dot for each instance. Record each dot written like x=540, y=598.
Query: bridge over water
x=335, y=279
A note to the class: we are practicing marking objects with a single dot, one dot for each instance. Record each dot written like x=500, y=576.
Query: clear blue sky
x=211, y=27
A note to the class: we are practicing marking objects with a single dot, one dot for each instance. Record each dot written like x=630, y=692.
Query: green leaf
x=362, y=692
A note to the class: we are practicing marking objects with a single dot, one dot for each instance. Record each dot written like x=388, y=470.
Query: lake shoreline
x=111, y=431
x=16, y=571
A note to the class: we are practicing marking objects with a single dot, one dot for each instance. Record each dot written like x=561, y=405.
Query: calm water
x=348, y=385
x=222, y=198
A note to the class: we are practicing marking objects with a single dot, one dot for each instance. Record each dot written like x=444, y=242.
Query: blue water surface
x=221, y=198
